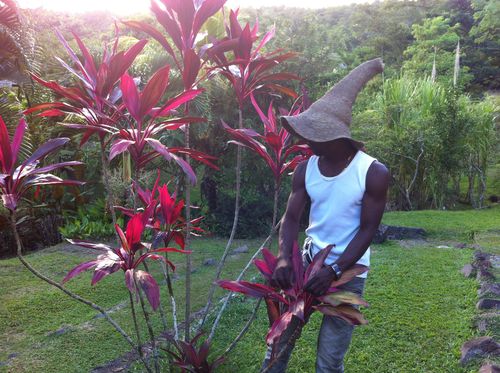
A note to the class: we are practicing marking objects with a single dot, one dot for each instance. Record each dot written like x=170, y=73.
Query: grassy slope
x=30, y=310
x=421, y=306
x=420, y=314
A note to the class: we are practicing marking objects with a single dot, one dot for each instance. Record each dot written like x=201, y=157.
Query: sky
x=125, y=7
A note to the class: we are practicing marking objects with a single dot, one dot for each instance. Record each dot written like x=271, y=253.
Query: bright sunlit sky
x=123, y=7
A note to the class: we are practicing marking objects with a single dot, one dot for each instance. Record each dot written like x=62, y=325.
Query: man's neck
x=341, y=152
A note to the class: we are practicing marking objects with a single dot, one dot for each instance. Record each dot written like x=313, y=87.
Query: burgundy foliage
x=16, y=180
x=191, y=358
x=127, y=257
x=296, y=301
x=182, y=20
x=166, y=219
x=275, y=145
x=247, y=68
x=94, y=97
x=147, y=123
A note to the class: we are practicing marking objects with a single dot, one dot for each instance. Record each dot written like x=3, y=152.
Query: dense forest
x=430, y=117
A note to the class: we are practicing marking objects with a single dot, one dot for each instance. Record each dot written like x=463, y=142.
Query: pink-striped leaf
x=345, y=312
x=150, y=287
x=343, y=297
x=278, y=327
x=79, y=269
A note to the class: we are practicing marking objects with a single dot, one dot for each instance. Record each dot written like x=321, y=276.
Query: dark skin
x=334, y=158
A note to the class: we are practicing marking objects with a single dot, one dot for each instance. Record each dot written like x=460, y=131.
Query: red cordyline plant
x=296, y=301
x=93, y=99
x=183, y=20
x=16, y=179
x=167, y=219
x=146, y=123
x=127, y=257
x=193, y=359
x=248, y=70
x=275, y=146
x=15, y=182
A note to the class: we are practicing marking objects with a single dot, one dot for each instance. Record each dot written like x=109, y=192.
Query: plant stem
x=229, y=243
x=290, y=344
x=148, y=323
x=187, y=316
x=62, y=288
x=226, y=300
x=166, y=274
x=105, y=174
x=245, y=328
x=138, y=334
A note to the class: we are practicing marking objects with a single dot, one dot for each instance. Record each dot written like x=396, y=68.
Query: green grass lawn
x=421, y=306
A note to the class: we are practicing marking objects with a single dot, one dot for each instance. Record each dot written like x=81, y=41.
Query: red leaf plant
x=94, y=97
x=191, y=358
x=296, y=301
x=144, y=128
x=166, y=219
x=16, y=179
x=275, y=145
x=127, y=257
x=182, y=20
x=248, y=69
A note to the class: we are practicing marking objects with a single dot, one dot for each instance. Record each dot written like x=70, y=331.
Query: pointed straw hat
x=329, y=118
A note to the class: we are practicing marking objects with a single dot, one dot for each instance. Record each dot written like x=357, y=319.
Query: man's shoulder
x=377, y=177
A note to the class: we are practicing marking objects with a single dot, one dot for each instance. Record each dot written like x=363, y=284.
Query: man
x=347, y=189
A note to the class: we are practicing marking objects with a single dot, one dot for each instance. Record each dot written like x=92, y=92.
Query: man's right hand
x=283, y=275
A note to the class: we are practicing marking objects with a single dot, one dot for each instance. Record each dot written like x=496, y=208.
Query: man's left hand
x=320, y=283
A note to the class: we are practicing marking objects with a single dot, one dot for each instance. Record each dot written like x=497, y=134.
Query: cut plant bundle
x=296, y=302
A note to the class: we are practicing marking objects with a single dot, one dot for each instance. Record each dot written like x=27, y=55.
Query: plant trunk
x=244, y=330
x=62, y=288
x=187, y=316
x=110, y=196
x=286, y=349
x=150, y=327
x=226, y=299
x=166, y=274
x=137, y=332
x=229, y=243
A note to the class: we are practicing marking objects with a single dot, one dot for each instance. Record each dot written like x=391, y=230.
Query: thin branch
x=148, y=323
x=226, y=300
x=62, y=288
x=244, y=330
x=229, y=243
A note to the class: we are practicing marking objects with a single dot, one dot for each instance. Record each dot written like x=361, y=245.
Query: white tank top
x=336, y=206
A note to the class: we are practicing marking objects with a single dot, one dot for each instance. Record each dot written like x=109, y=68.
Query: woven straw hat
x=329, y=118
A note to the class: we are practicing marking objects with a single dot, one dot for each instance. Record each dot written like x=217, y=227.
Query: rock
x=488, y=322
x=61, y=331
x=492, y=290
x=483, y=274
x=479, y=347
x=460, y=245
x=380, y=234
x=495, y=261
x=489, y=368
x=488, y=304
x=209, y=262
x=443, y=247
x=403, y=233
x=468, y=270
x=12, y=355
x=241, y=250
x=479, y=256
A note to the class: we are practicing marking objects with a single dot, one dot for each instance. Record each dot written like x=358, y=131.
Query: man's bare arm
x=289, y=229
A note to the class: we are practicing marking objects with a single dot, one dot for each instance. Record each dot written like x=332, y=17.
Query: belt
x=306, y=251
